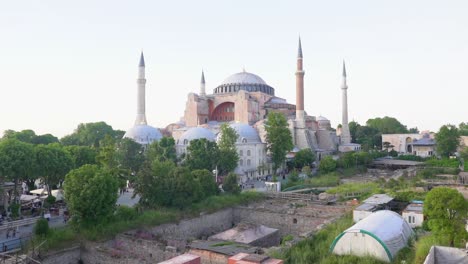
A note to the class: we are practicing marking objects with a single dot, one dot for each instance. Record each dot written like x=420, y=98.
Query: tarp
x=58, y=194
x=446, y=255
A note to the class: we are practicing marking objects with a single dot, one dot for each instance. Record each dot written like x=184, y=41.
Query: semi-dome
x=247, y=134
x=244, y=81
x=196, y=133
x=143, y=134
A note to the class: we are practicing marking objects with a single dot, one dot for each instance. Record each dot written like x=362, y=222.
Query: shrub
x=230, y=184
x=42, y=227
x=14, y=207
x=49, y=201
x=125, y=213
x=327, y=164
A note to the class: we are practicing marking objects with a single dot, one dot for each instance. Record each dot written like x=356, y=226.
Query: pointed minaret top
x=344, y=69
x=202, y=77
x=299, y=51
x=142, y=60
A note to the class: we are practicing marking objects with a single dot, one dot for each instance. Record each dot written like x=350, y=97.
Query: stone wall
x=209, y=256
x=200, y=227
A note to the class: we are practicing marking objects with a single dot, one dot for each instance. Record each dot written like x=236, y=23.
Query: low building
x=244, y=258
x=372, y=204
x=183, y=259
x=413, y=214
x=424, y=147
x=217, y=251
x=446, y=255
x=380, y=235
x=413, y=144
x=253, y=235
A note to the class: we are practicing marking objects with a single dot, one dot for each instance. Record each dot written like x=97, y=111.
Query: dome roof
x=143, y=134
x=196, y=133
x=244, y=78
x=247, y=134
x=244, y=81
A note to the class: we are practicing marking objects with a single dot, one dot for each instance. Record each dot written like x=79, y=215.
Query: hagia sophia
x=244, y=100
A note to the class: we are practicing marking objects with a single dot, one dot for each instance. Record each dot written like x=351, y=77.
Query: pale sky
x=68, y=62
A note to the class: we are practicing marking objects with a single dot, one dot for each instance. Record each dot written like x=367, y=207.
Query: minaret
x=345, y=135
x=299, y=85
x=202, y=84
x=141, y=81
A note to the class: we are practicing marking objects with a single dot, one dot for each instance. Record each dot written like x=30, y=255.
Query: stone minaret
x=299, y=85
x=202, y=84
x=141, y=81
x=345, y=135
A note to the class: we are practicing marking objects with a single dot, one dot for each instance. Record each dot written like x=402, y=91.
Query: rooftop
x=414, y=207
x=378, y=199
x=222, y=247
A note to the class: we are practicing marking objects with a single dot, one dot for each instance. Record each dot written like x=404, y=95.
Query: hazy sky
x=63, y=63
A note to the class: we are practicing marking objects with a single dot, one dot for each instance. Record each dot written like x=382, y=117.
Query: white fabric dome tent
x=381, y=235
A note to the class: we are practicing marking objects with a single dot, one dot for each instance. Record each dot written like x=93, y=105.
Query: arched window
x=241, y=152
x=244, y=140
x=241, y=162
x=185, y=141
x=248, y=152
x=248, y=162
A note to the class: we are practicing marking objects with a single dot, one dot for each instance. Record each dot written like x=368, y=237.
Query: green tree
x=304, y=157
x=447, y=140
x=162, y=150
x=81, y=155
x=463, y=128
x=230, y=184
x=186, y=190
x=228, y=157
x=17, y=161
x=387, y=125
x=327, y=164
x=307, y=170
x=279, y=139
x=53, y=163
x=29, y=136
x=110, y=161
x=202, y=154
x=91, y=134
x=446, y=211
x=207, y=182
x=130, y=155
x=91, y=194
x=153, y=183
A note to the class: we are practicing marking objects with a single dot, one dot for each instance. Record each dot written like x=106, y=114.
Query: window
x=244, y=140
x=248, y=162
x=241, y=152
x=248, y=152
x=294, y=221
x=241, y=162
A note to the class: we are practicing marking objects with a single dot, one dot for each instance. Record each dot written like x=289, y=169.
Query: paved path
x=126, y=199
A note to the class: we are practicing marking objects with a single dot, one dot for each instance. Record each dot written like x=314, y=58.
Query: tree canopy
x=53, y=163
x=446, y=211
x=387, y=125
x=463, y=128
x=17, y=160
x=81, y=155
x=228, y=157
x=279, y=139
x=29, y=136
x=327, y=164
x=91, y=134
x=202, y=154
x=447, y=140
x=162, y=150
x=91, y=194
x=304, y=157
x=230, y=184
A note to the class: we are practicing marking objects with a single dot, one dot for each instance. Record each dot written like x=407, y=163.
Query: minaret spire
x=299, y=49
x=141, y=83
x=299, y=85
x=202, y=84
x=345, y=134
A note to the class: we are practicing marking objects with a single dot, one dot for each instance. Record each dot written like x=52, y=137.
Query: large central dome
x=245, y=78
x=244, y=81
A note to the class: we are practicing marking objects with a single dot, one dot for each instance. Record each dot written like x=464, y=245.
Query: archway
x=223, y=112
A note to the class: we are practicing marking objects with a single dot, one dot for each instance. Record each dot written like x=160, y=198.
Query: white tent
x=381, y=235
x=58, y=194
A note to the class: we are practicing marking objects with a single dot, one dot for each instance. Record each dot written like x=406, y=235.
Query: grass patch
x=221, y=244
x=317, y=248
x=324, y=180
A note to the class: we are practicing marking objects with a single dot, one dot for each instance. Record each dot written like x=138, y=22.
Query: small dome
x=195, y=133
x=244, y=78
x=322, y=118
x=143, y=134
x=247, y=134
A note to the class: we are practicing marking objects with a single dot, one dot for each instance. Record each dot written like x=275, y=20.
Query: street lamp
x=215, y=173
